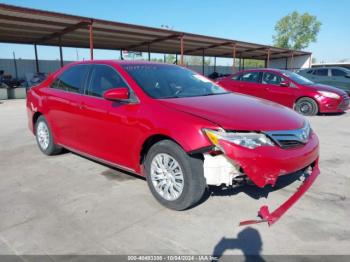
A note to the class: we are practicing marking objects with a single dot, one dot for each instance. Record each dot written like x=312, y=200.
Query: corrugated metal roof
x=32, y=26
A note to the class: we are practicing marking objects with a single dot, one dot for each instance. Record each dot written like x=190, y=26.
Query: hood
x=238, y=112
x=321, y=87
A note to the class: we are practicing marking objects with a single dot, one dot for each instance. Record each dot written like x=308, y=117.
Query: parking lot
x=69, y=204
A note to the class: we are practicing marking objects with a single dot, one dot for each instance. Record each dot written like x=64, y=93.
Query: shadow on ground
x=248, y=241
x=112, y=173
x=332, y=114
x=251, y=190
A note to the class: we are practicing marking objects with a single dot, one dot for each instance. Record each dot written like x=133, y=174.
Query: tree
x=252, y=63
x=296, y=31
x=196, y=60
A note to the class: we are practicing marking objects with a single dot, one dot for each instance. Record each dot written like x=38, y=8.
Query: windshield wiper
x=214, y=94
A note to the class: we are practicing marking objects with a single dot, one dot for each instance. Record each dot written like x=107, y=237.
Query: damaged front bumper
x=263, y=166
x=272, y=218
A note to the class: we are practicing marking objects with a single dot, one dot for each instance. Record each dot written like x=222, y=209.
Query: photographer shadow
x=248, y=241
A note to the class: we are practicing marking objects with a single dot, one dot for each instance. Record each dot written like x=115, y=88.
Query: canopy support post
x=292, y=61
x=234, y=58
x=203, y=62
x=91, y=36
x=268, y=59
x=182, y=50
x=214, y=63
x=36, y=58
x=61, y=53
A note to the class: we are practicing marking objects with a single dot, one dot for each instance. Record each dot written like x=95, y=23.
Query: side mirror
x=284, y=83
x=117, y=94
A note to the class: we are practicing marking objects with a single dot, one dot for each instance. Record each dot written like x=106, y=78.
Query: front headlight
x=249, y=140
x=329, y=94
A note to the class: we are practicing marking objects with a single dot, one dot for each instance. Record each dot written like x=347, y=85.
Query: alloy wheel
x=167, y=176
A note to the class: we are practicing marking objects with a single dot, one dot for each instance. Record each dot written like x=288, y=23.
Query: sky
x=251, y=21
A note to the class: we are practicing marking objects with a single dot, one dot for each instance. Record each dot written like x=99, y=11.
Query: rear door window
x=321, y=72
x=272, y=79
x=103, y=78
x=338, y=72
x=72, y=79
x=237, y=77
x=252, y=77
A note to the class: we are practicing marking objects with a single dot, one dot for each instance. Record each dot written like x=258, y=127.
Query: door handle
x=82, y=106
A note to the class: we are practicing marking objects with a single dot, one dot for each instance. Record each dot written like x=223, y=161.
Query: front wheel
x=306, y=106
x=175, y=179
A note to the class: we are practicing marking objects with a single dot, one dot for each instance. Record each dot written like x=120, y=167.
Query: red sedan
x=173, y=126
x=289, y=89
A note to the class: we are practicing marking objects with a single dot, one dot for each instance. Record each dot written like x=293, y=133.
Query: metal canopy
x=31, y=26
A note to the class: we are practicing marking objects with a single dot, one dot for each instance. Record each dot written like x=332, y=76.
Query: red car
x=173, y=126
x=289, y=89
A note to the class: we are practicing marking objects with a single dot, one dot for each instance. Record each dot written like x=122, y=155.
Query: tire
x=306, y=106
x=193, y=182
x=44, y=138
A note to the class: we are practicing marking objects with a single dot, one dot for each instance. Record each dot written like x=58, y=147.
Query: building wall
x=27, y=66
x=286, y=63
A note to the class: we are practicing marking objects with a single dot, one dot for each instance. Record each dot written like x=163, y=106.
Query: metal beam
x=149, y=52
x=246, y=51
x=31, y=20
x=66, y=30
x=207, y=47
x=264, y=55
x=153, y=41
x=253, y=50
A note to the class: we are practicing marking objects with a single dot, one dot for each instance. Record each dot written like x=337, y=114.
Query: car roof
x=262, y=70
x=119, y=62
x=331, y=67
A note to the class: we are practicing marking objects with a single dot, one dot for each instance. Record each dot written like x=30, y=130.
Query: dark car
x=334, y=76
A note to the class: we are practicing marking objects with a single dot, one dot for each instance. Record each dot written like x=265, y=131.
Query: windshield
x=170, y=81
x=297, y=78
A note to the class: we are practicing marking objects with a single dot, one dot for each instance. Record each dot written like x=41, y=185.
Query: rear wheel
x=44, y=138
x=175, y=179
x=306, y=106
